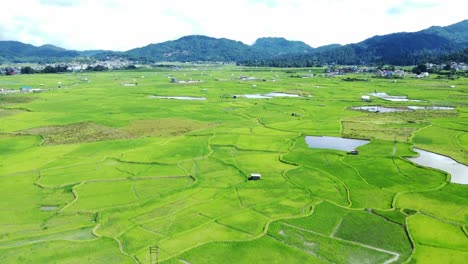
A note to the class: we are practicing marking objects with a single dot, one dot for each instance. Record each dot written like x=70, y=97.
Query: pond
x=256, y=96
x=379, y=109
x=281, y=95
x=393, y=98
x=48, y=208
x=179, y=97
x=336, y=143
x=384, y=109
x=268, y=95
x=458, y=171
x=446, y=108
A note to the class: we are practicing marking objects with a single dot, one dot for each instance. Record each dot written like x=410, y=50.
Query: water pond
x=384, y=109
x=48, y=208
x=379, y=109
x=446, y=108
x=179, y=97
x=393, y=98
x=268, y=95
x=336, y=143
x=281, y=95
x=458, y=171
x=256, y=96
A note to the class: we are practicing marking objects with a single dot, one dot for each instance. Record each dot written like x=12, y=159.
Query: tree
x=97, y=68
x=49, y=69
x=420, y=68
x=130, y=67
x=27, y=70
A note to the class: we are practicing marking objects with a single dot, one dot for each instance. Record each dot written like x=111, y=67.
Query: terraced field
x=98, y=171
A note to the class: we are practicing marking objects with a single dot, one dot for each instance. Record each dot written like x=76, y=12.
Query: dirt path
x=336, y=228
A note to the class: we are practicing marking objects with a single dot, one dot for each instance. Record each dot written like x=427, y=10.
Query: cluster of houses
x=10, y=70
x=459, y=66
x=28, y=89
x=453, y=66
x=246, y=78
x=174, y=80
x=70, y=67
x=110, y=64
x=390, y=73
x=8, y=91
x=24, y=89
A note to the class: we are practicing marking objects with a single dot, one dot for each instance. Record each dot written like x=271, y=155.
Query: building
x=25, y=89
x=255, y=176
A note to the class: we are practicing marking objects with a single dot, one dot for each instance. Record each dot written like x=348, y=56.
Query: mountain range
x=398, y=49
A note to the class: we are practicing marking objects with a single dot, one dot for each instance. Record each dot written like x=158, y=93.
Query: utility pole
x=154, y=251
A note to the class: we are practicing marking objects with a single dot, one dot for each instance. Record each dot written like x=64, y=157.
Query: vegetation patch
x=75, y=133
x=165, y=127
x=85, y=132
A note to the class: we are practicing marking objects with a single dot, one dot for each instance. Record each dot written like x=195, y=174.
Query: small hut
x=255, y=176
x=25, y=89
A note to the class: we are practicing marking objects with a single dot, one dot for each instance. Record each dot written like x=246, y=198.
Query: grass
x=325, y=218
x=369, y=229
x=327, y=248
x=446, y=203
x=266, y=250
x=105, y=171
x=95, y=251
x=445, y=243
x=454, y=144
x=355, y=226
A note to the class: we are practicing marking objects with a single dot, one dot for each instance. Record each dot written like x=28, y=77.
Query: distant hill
x=280, y=46
x=397, y=49
x=14, y=50
x=203, y=48
x=460, y=56
x=327, y=47
x=101, y=53
x=194, y=48
x=457, y=33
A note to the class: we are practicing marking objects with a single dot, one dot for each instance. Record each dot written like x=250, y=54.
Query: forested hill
x=196, y=48
x=14, y=50
x=397, y=49
x=280, y=46
x=457, y=33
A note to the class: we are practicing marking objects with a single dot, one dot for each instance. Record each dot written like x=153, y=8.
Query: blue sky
x=127, y=24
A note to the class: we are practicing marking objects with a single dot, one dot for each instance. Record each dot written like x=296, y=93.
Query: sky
x=122, y=25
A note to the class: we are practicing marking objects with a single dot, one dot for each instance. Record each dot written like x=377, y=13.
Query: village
x=106, y=64
x=117, y=63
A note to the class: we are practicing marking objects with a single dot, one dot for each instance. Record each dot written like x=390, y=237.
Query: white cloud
x=123, y=25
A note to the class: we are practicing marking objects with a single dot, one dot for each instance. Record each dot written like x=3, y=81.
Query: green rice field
x=99, y=171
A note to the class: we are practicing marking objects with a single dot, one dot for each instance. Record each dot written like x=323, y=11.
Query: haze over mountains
x=398, y=49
